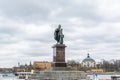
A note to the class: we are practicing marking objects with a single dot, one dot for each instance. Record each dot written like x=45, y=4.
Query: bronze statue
x=58, y=35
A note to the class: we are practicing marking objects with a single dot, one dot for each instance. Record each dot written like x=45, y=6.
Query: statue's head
x=59, y=26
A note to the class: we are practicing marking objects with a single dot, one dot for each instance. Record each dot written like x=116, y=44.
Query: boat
x=23, y=75
x=4, y=75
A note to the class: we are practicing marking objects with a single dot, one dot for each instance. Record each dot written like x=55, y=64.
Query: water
x=8, y=77
x=92, y=77
x=101, y=77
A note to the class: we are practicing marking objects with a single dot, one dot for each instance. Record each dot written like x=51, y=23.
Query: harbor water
x=9, y=77
x=101, y=77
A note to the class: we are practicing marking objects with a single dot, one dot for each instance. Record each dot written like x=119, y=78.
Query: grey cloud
x=9, y=34
x=80, y=10
x=36, y=54
x=8, y=40
x=10, y=30
x=41, y=38
x=24, y=10
x=38, y=10
x=29, y=10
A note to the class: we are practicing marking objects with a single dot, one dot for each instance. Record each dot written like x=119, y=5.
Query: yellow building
x=42, y=65
x=97, y=70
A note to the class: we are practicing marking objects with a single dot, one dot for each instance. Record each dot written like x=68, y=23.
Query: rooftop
x=88, y=58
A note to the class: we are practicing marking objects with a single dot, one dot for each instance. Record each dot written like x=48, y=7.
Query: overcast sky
x=89, y=26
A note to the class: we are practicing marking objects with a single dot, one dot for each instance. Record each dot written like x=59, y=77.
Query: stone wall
x=60, y=75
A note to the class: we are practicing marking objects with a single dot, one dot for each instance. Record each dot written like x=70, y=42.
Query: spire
x=88, y=56
x=18, y=64
x=30, y=64
x=25, y=64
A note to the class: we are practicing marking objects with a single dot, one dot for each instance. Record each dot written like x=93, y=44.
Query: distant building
x=23, y=68
x=41, y=65
x=98, y=70
x=88, y=62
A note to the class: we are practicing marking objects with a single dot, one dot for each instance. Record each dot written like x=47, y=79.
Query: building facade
x=23, y=68
x=88, y=62
x=42, y=65
x=98, y=70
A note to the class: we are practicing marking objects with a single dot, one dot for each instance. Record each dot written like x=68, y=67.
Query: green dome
x=88, y=59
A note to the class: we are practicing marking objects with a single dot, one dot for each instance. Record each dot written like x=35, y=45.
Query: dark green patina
x=88, y=58
x=58, y=35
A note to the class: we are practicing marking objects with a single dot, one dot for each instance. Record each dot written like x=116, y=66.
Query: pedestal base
x=59, y=64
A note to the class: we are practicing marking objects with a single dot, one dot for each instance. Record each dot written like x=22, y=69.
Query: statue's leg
x=61, y=40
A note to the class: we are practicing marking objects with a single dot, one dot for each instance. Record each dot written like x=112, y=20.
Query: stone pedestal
x=59, y=55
